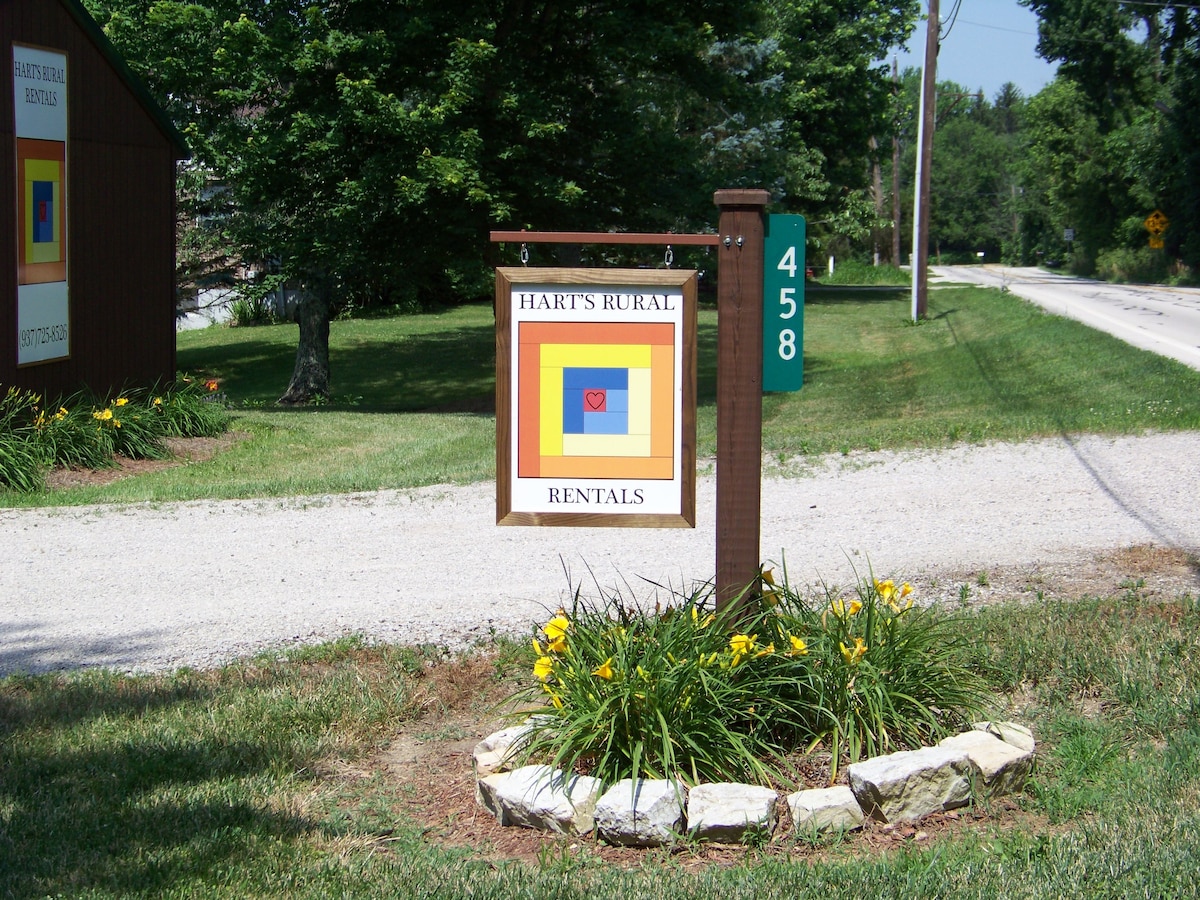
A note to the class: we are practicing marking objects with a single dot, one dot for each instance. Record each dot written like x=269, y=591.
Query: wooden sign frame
x=633, y=333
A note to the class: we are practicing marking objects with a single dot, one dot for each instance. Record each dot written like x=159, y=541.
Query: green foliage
x=22, y=457
x=630, y=692
x=685, y=692
x=130, y=429
x=1125, y=265
x=891, y=675
x=86, y=431
x=252, y=304
x=189, y=408
x=852, y=272
x=75, y=438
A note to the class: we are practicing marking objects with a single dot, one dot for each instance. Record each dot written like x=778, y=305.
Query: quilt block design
x=596, y=400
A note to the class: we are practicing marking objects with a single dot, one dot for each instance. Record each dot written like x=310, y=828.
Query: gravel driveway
x=156, y=586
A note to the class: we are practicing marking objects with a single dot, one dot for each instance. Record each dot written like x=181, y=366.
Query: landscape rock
x=642, y=812
x=496, y=751
x=540, y=797
x=1002, y=767
x=825, y=809
x=1009, y=732
x=731, y=813
x=904, y=786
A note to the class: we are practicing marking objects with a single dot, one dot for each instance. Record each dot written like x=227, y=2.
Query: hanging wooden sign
x=596, y=397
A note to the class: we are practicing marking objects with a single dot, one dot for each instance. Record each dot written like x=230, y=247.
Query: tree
x=1130, y=68
x=836, y=97
x=367, y=147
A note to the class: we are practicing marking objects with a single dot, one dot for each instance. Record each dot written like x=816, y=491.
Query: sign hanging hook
x=524, y=254
x=670, y=256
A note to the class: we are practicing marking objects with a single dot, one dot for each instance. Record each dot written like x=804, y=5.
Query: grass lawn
x=265, y=779
x=412, y=395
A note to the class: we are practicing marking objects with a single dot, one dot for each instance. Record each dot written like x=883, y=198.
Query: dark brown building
x=87, y=206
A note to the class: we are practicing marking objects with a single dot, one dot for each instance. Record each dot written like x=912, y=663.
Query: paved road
x=1164, y=320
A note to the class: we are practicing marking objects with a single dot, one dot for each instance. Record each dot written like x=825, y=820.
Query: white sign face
x=40, y=93
x=600, y=402
x=40, y=120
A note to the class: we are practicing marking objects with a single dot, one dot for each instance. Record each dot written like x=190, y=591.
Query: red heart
x=595, y=400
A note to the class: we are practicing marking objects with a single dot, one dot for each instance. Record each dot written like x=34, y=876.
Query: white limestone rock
x=541, y=797
x=731, y=813
x=1009, y=732
x=1001, y=766
x=904, y=786
x=641, y=813
x=825, y=809
x=497, y=751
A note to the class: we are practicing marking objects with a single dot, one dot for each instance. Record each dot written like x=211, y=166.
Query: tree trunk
x=310, y=378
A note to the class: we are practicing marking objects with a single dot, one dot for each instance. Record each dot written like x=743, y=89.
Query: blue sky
x=989, y=43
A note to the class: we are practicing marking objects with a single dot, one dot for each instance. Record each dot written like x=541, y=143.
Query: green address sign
x=783, y=303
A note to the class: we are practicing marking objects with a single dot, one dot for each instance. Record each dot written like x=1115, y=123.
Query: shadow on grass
x=105, y=790
x=822, y=295
x=449, y=370
x=1014, y=395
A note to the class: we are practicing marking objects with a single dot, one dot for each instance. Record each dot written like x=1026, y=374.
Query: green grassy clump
x=86, y=431
x=731, y=695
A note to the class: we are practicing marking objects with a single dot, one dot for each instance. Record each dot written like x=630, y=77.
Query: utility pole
x=920, y=254
x=895, y=171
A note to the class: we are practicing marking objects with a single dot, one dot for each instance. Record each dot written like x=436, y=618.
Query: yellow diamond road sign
x=1156, y=223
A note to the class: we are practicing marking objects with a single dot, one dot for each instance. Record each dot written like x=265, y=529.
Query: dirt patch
x=183, y=451
x=1148, y=571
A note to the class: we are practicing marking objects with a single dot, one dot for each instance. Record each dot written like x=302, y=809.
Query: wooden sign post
x=740, y=247
x=739, y=389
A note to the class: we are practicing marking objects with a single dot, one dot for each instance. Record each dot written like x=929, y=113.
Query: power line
x=952, y=18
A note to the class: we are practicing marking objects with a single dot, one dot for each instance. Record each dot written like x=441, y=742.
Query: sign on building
x=595, y=397
x=40, y=119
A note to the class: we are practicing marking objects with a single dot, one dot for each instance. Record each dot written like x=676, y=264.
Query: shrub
x=86, y=431
x=711, y=696
x=1123, y=264
x=892, y=675
x=190, y=408
x=677, y=692
x=23, y=460
x=253, y=304
x=73, y=437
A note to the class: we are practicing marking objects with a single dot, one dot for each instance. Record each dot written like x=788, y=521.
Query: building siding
x=120, y=219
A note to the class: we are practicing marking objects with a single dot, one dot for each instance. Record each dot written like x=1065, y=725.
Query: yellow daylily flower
x=121, y=401
x=799, y=647
x=537, y=648
x=557, y=627
x=842, y=609
x=765, y=651
x=768, y=576
x=543, y=668
x=743, y=643
x=852, y=655
x=557, y=645
x=604, y=670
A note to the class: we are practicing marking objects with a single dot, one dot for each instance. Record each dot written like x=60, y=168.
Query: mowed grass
x=262, y=779
x=412, y=396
